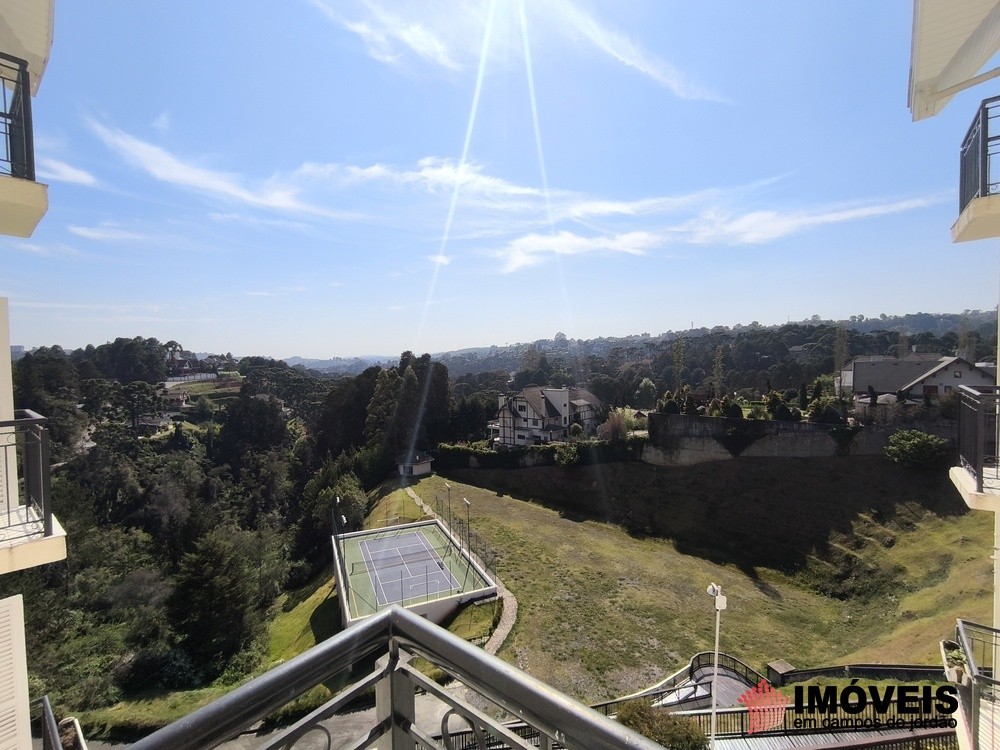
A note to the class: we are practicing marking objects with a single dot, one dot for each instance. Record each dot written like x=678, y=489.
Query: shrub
x=567, y=455
x=918, y=449
x=670, y=407
x=661, y=726
x=733, y=411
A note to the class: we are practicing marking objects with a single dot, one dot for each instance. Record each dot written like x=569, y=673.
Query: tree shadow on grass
x=299, y=595
x=325, y=620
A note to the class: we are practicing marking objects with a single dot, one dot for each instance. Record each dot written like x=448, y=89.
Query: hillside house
x=921, y=374
x=543, y=415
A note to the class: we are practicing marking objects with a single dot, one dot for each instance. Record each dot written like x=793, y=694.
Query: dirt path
x=509, y=615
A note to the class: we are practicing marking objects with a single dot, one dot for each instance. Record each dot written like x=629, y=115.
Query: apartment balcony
x=436, y=718
x=23, y=202
x=978, y=691
x=29, y=534
x=978, y=475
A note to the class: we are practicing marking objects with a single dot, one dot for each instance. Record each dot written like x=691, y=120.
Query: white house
x=414, y=464
x=920, y=374
x=543, y=415
x=946, y=376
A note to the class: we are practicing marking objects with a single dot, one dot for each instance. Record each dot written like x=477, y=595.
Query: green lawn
x=392, y=506
x=603, y=613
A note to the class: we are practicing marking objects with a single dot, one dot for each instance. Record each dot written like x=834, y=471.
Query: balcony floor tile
x=19, y=524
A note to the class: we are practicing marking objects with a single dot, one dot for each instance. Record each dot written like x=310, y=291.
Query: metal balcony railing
x=977, y=433
x=25, y=496
x=17, y=151
x=392, y=636
x=49, y=728
x=979, y=645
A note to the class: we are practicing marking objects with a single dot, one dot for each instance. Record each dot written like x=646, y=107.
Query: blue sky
x=345, y=177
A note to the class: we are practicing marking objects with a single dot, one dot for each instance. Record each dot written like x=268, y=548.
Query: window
x=534, y=423
x=520, y=407
x=958, y=373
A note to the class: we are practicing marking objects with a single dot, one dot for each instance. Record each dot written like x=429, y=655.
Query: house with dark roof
x=544, y=415
x=947, y=375
x=920, y=374
x=883, y=373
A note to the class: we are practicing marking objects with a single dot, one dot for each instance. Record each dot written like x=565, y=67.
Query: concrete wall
x=682, y=440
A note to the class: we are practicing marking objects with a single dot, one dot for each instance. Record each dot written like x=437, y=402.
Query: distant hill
x=508, y=358
x=342, y=365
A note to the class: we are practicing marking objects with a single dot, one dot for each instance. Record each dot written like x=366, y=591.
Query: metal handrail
x=977, y=429
x=25, y=451
x=396, y=633
x=17, y=149
x=50, y=728
x=674, y=682
x=976, y=154
x=964, y=631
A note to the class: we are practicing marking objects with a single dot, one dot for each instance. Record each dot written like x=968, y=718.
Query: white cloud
x=439, y=260
x=434, y=174
x=757, y=227
x=620, y=47
x=59, y=171
x=530, y=250
x=164, y=166
x=105, y=233
x=162, y=122
x=449, y=35
x=388, y=36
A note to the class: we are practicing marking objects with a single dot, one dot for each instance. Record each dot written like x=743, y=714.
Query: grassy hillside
x=822, y=560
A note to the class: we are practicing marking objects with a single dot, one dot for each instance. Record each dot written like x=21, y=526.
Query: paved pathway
x=509, y=615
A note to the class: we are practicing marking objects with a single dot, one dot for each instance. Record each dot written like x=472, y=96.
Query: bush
x=918, y=449
x=733, y=411
x=661, y=726
x=567, y=455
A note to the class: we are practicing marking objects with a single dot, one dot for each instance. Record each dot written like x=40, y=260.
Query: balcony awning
x=952, y=41
x=26, y=33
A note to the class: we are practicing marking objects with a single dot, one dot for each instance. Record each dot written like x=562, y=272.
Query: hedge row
x=583, y=453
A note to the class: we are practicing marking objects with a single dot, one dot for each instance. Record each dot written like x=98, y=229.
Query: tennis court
x=406, y=567
x=412, y=565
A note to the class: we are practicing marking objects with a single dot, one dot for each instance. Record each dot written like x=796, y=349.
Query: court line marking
x=369, y=567
x=440, y=560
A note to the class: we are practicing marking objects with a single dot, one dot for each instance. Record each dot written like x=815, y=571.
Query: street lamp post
x=714, y=590
x=468, y=527
x=449, y=505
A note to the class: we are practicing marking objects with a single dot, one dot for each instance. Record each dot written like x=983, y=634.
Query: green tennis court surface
x=406, y=565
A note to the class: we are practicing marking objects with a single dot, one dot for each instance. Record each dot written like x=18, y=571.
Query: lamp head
x=714, y=589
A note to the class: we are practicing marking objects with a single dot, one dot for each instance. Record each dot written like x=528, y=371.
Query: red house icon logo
x=766, y=707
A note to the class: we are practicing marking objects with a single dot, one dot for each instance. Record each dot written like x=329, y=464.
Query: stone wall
x=682, y=440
